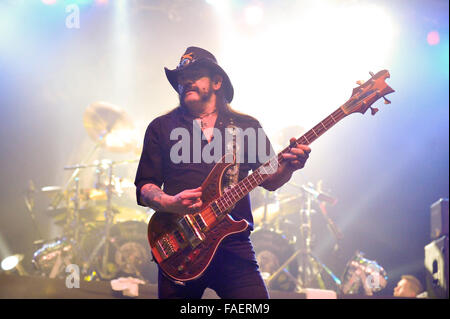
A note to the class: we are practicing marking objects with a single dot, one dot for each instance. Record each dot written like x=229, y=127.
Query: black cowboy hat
x=195, y=56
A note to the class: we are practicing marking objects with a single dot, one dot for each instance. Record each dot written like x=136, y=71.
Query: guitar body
x=190, y=260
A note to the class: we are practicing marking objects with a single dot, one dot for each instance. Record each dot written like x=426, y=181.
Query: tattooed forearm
x=152, y=196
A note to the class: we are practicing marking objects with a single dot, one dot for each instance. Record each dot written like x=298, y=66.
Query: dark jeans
x=228, y=275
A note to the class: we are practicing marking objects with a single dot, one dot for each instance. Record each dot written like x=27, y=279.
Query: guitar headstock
x=368, y=93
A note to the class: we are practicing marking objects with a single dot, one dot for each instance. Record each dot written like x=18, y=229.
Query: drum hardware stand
x=282, y=267
x=106, y=238
x=74, y=221
x=76, y=199
x=76, y=210
x=310, y=265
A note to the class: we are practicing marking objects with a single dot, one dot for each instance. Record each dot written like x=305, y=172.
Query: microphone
x=319, y=195
x=324, y=197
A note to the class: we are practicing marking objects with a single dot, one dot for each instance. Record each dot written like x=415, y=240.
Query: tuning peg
x=360, y=82
x=373, y=110
x=386, y=101
x=371, y=73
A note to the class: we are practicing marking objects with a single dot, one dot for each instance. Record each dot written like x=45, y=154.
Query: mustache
x=188, y=89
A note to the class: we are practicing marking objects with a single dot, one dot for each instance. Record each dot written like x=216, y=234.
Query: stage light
x=4, y=249
x=78, y=2
x=222, y=7
x=123, y=51
x=253, y=14
x=433, y=38
x=213, y=2
x=48, y=2
x=12, y=263
x=317, y=40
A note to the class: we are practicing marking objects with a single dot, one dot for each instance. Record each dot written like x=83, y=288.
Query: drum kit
x=104, y=230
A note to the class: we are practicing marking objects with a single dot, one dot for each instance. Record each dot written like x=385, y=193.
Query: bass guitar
x=183, y=246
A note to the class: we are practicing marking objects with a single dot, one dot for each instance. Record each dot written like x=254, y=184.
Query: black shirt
x=157, y=167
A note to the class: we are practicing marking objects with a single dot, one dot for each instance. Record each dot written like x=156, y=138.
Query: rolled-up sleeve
x=150, y=168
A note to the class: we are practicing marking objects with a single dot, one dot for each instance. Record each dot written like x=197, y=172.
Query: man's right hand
x=185, y=202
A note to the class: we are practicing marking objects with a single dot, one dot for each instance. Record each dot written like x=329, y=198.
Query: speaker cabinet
x=436, y=265
x=439, y=218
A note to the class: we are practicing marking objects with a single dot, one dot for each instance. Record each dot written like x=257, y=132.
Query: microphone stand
x=310, y=265
x=322, y=199
x=106, y=240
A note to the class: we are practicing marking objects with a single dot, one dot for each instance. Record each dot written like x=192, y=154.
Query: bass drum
x=128, y=253
x=272, y=249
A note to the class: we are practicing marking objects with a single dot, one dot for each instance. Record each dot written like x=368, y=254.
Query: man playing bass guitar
x=180, y=150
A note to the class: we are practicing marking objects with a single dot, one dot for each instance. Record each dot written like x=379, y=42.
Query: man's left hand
x=297, y=155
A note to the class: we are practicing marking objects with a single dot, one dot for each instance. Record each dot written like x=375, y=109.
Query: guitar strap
x=232, y=173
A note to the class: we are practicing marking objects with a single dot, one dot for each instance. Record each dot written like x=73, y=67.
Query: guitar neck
x=231, y=196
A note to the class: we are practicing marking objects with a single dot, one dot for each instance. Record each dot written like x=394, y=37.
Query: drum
x=362, y=274
x=272, y=249
x=128, y=253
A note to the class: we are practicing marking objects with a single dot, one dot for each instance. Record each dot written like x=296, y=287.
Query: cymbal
x=110, y=126
x=51, y=190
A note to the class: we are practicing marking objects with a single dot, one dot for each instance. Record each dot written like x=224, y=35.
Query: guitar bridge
x=191, y=232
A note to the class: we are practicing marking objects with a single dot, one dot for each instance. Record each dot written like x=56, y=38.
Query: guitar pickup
x=215, y=209
x=200, y=222
x=191, y=232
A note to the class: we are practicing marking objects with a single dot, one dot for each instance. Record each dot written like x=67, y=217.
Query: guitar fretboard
x=232, y=195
